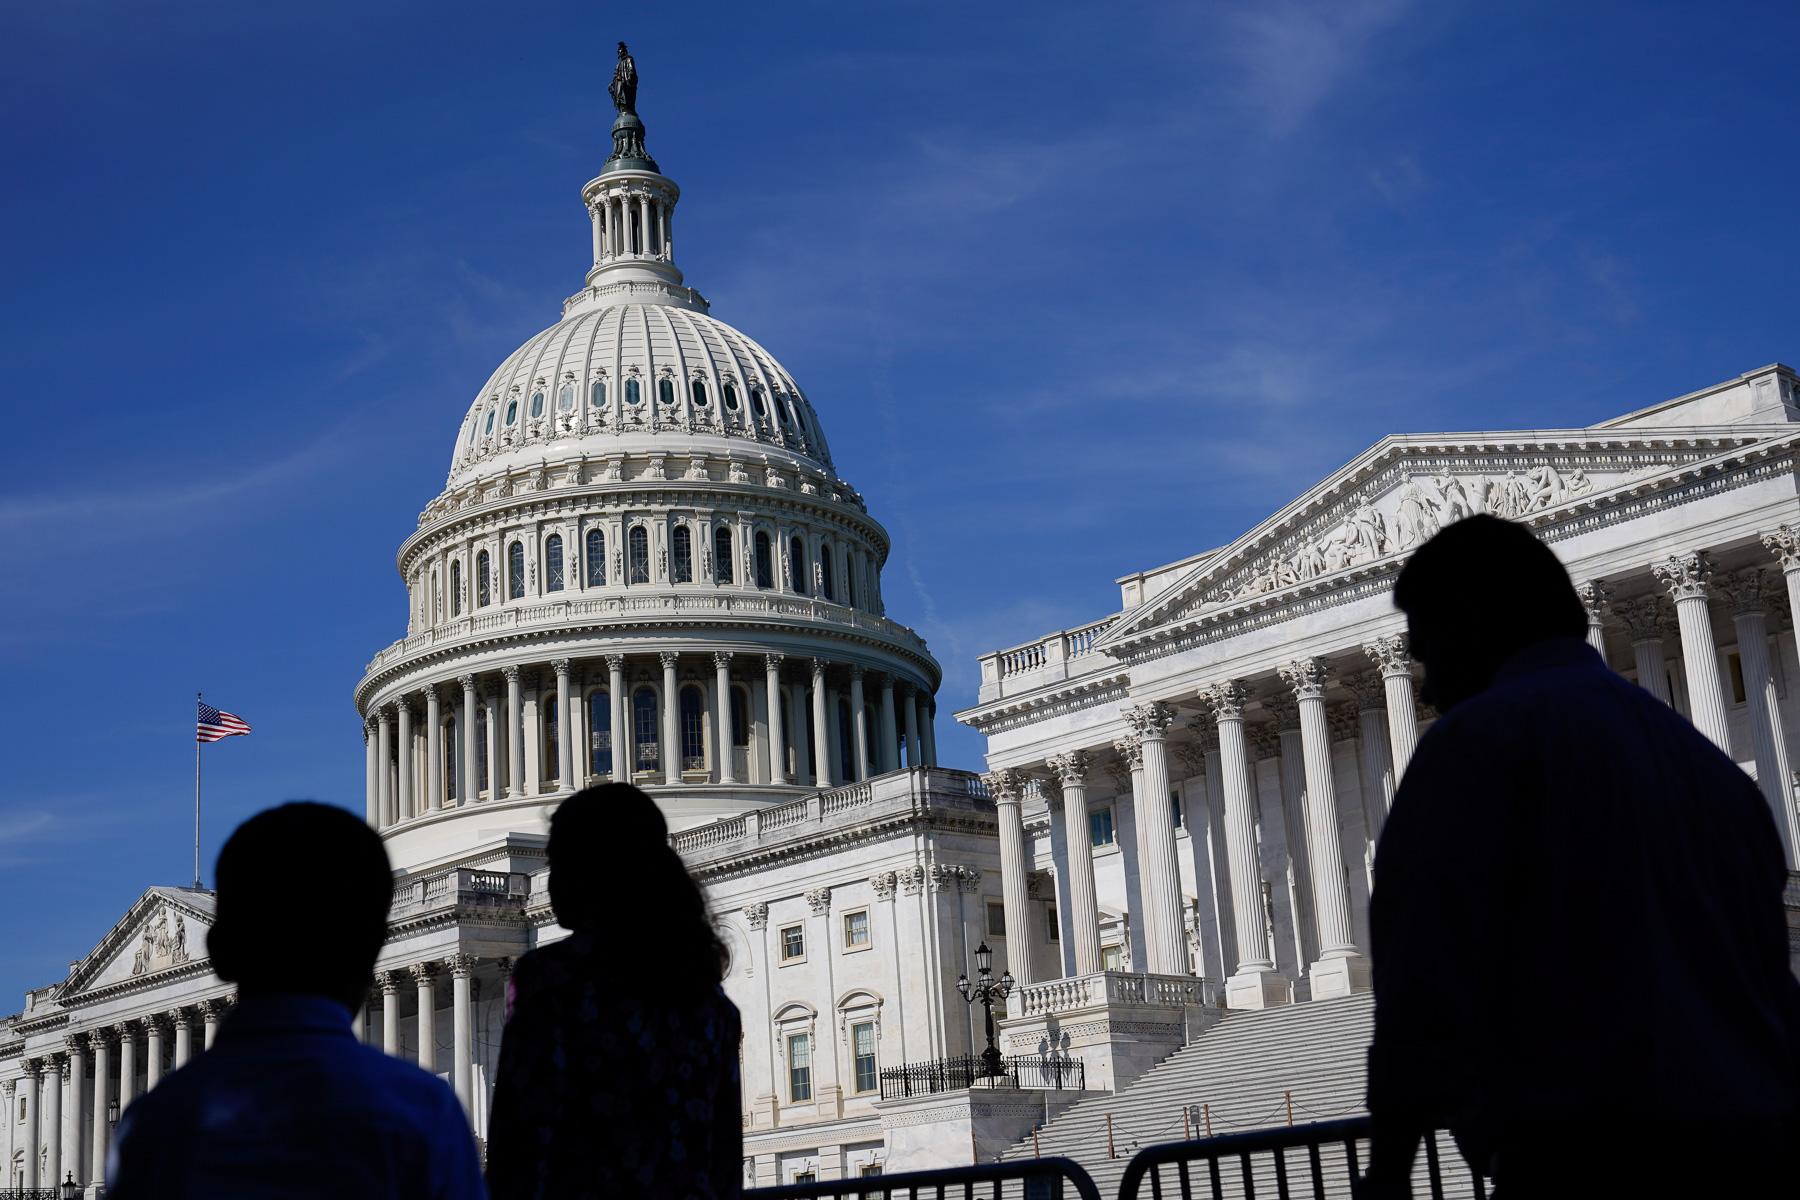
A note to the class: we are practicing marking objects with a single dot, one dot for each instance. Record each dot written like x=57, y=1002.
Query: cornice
x=1069, y=695
x=816, y=843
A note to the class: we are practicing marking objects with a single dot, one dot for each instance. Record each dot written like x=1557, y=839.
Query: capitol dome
x=643, y=567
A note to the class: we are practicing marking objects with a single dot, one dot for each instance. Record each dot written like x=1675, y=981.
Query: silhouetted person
x=287, y=1102
x=1577, y=930
x=618, y=1070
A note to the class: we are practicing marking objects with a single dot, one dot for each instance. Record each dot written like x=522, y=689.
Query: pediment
x=164, y=931
x=1403, y=490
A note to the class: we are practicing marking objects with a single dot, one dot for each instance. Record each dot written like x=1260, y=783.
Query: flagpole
x=197, y=700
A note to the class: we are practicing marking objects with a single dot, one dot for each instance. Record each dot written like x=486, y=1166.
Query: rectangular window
x=1100, y=827
x=1050, y=924
x=793, y=943
x=1112, y=958
x=856, y=929
x=1175, y=807
x=869, y=1169
x=862, y=1044
x=805, y=1177
x=996, y=919
x=799, y=1046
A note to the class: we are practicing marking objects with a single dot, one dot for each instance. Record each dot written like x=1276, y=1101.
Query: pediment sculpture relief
x=161, y=945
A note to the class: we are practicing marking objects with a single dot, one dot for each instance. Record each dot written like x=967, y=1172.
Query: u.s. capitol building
x=645, y=567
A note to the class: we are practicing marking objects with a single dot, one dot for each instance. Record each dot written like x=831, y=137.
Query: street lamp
x=986, y=989
x=70, y=1189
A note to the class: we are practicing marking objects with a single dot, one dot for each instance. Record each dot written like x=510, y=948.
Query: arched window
x=512, y=412
x=553, y=563
x=600, y=750
x=452, y=759
x=693, y=729
x=665, y=390
x=597, y=393
x=596, y=558
x=481, y=748
x=456, y=588
x=797, y=565
x=632, y=394
x=731, y=397
x=699, y=393
x=565, y=398
x=826, y=587
x=757, y=404
x=681, y=557
x=765, y=566
x=643, y=730
x=723, y=571
x=488, y=425
x=537, y=405
x=515, y=571
x=484, y=593
x=548, y=718
x=639, y=543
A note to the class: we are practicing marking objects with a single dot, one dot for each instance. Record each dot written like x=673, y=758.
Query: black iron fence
x=1027, y=1179
x=968, y=1070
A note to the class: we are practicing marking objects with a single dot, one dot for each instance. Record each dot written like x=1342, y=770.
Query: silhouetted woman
x=618, y=1070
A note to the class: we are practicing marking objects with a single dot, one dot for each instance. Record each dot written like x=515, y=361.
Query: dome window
x=722, y=565
x=681, y=556
x=512, y=412
x=537, y=405
x=639, y=542
x=632, y=394
x=484, y=593
x=787, y=411
x=565, y=398
x=764, y=562
x=699, y=393
x=825, y=586
x=456, y=591
x=797, y=564
x=693, y=729
x=757, y=404
x=665, y=390
x=553, y=563
x=515, y=571
x=597, y=393
x=645, y=720
x=489, y=426
x=596, y=558
x=731, y=398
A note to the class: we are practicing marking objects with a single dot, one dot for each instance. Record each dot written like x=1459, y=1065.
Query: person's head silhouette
x=609, y=855
x=303, y=897
x=1475, y=595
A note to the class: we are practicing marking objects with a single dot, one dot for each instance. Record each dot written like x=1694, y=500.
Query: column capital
x=772, y=662
x=1151, y=721
x=818, y=668
x=561, y=667
x=1644, y=616
x=1784, y=544
x=1596, y=598
x=1305, y=676
x=1389, y=654
x=77, y=1043
x=1005, y=785
x=430, y=692
x=1070, y=769
x=857, y=671
x=883, y=885
x=756, y=915
x=819, y=900
x=211, y=1007
x=125, y=1031
x=615, y=662
x=7, y=1087
x=467, y=682
x=1687, y=576
x=1226, y=699
x=1747, y=591
x=1131, y=751
x=722, y=660
x=968, y=879
x=669, y=659
x=381, y=715
x=34, y=1067
x=1284, y=708
x=422, y=973
x=510, y=673
x=368, y=725
x=460, y=965
x=388, y=982
x=182, y=1018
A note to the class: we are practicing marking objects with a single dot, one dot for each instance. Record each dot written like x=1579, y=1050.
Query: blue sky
x=1076, y=288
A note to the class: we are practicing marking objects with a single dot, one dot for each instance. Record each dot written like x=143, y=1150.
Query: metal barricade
x=1026, y=1179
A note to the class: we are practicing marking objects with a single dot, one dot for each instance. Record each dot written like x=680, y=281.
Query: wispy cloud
x=1294, y=55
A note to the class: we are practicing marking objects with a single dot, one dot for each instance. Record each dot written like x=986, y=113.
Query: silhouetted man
x=1577, y=931
x=287, y=1102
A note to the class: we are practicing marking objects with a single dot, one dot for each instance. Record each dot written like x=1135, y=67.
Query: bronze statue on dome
x=624, y=82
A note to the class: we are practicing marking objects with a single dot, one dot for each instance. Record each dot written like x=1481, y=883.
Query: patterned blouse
x=601, y=1093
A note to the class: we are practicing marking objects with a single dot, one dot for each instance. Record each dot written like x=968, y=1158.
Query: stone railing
x=459, y=887
x=1111, y=988
x=646, y=605
x=1051, y=658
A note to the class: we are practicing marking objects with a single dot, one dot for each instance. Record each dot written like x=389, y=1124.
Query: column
x=102, y=1098
x=53, y=1121
x=33, y=1087
x=594, y=220
x=209, y=1018
x=565, y=727
x=1784, y=544
x=1070, y=772
x=1341, y=968
x=460, y=965
x=1286, y=711
x=153, y=1052
x=184, y=1037
x=722, y=701
x=465, y=730
x=888, y=744
x=515, y=734
x=371, y=781
x=75, y=1069
x=1688, y=578
x=434, y=750
x=127, y=1031
x=496, y=760
x=1165, y=938
x=422, y=973
x=1005, y=787
x=671, y=719
x=822, y=738
x=1372, y=751
x=604, y=211
x=404, y=801
x=910, y=714
x=1748, y=594
x=777, y=745
x=623, y=738
x=1596, y=599
x=1255, y=984
x=859, y=726
x=928, y=730
x=1645, y=619
x=1389, y=656
x=389, y=982
x=384, y=756
x=798, y=724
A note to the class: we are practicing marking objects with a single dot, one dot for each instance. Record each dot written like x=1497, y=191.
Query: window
x=996, y=919
x=488, y=425
x=1112, y=958
x=870, y=1170
x=806, y=1177
x=515, y=570
x=632, y=394
x=1100, y=827
x=596, y=558
x=548, y=719
x=765, y=567
x=565, y=398
x=856, y=929
x=787, y=411
x=722, y=568
x=639, y=542
x=1175, y=807
x=862, y=1046
x=599, y=710
x=699, y=393
x=643, y=729
x=597, y=393
x=693, y=729
x=681, y=558
x=456, y=589
x=512, y=412
x=553, y=563
x=826, y=588
x=740, y=718
x=799, y=1056
x=665, y=390
x=797, y=564
x=793, y=943
x=757, y=404
x=483, y=593
x=1052, y=930
x=731, y=398
x=537, y=405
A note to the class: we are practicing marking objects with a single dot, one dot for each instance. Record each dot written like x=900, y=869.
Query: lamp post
x=70, y=1189
x=986, y=989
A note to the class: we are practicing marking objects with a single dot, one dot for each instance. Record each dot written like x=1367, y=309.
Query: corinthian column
x=1005, y=787
x=32, y=1087
x=1084, y=916
x=1341, y=969
x=465, y=730
x=1255, y=983
x=1748, y=595
x=53, y=1119
x=859, y=725
x=75, y=1069
x=405, y=801
x=777, y=744
x=1644, y=619
x=422, y=976
x=460, y=966
x=722, y=692
x=822, y=739
x=671, y=733
x=389, y=983
x=1389, y=656
x=384, y=779
x=624, y=737
x=371, y=780
x=1688, y=578
x=1596, y=598
x=565, y=727
x=127, y=1031
x=1165, y=940
x=515, y=734
x=153, y=1052
x=434, y=747
x=1784, y=544
x=102, y=1097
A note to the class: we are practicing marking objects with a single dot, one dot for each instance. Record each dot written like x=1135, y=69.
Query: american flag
x=215, y=725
